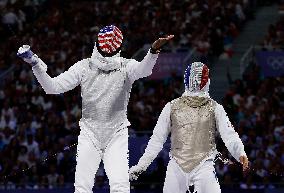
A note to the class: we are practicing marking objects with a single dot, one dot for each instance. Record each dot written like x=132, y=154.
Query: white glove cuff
x=39, y=66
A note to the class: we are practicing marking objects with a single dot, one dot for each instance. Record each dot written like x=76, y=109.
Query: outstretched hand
x=161, y=41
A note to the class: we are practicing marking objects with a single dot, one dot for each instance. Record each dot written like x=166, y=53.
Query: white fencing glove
x=27, y=55
x=134, y=172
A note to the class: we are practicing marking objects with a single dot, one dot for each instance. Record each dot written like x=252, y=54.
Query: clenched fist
x=134, y=172
x=27, y=55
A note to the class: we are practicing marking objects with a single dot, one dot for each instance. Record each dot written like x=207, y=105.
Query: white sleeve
x=159, y=137
x=141, y=69
x=228, y=134
x=64, y=82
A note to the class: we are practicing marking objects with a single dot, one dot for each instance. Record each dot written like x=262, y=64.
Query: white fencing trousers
x=115, y=158
x=202, y=177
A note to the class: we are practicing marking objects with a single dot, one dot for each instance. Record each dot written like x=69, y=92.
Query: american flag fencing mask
x=110, y=39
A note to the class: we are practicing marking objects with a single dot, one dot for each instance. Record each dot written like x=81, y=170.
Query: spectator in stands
x=10, y=21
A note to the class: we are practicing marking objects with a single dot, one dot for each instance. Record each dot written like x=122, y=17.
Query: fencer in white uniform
x=106, y=80
x=193, y=121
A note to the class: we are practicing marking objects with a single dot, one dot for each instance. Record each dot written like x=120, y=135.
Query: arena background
x=240, y=40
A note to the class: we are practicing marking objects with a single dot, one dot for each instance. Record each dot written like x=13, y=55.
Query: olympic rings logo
x=276, y=62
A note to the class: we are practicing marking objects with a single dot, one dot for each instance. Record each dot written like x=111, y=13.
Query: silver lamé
x=193, y=130
x=105, y=95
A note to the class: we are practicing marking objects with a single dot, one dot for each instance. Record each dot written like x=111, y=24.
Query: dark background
x=35, y=126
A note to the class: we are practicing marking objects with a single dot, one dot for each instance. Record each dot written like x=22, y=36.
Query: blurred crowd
x=35, y=126
x=255, y=106
x=274, y=38
x=209, y=26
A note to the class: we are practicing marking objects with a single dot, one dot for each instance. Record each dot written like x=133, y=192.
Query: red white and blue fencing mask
x=196, y=77
x=109, y=40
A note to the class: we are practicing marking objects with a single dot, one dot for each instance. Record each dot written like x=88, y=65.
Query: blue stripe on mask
x=186, y=76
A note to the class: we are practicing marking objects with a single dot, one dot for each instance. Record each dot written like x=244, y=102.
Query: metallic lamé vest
x=192, y=130
x=105, y=95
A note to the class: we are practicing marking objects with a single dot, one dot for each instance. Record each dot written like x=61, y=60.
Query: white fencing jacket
x=162, y=130
x=105, y=88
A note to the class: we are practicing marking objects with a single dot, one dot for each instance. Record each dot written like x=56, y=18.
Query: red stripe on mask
x=204, y=77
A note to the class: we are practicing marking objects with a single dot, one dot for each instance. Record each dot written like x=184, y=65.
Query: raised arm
x=155, y=144
x=62, y=83
x=59, y=84
x=136, y=70
x=230, y=136
x=144, y=68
